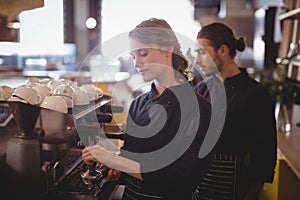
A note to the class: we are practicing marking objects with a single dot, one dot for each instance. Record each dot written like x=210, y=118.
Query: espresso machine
x=45, y=154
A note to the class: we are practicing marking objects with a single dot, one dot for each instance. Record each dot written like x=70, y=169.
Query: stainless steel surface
x=55, y=124
x=23, y=156
x=91, y=108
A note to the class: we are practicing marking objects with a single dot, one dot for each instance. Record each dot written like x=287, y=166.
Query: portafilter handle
x=91, y=175
x=92, y=169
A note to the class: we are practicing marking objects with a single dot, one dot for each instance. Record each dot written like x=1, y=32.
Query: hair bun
x=240, y=44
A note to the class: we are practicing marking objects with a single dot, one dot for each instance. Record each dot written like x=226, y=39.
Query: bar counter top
x=289, y=149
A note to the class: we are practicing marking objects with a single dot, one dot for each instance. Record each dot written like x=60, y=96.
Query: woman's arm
x=97, y=153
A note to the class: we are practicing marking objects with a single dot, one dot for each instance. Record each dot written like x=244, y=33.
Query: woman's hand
x=87, y=157
x=95, y=153
x=113, y=175
x=92, y=154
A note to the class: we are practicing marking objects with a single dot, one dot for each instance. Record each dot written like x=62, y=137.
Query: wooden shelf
x=293, y=14
x=11, y=8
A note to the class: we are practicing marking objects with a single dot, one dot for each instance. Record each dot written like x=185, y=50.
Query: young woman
x=165, y=127
x=249, y=131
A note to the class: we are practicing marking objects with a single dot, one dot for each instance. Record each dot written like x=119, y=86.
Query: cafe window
x=42, y=28
x=121, y=16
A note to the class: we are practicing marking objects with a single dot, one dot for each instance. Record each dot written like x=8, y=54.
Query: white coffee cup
x=66, y=81
x=27, y=94
x=93, y=92
x=32, y=81
x=54, y=83
x=69, y=101
x=66, y=92
x=42, y=90
x=80, y=97
x=63, y=90
x=44, y=81
x=5, y=92
x=55, y=103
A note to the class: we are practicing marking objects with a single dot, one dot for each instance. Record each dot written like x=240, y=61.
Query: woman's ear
x=171, y=49
x=168, y=50
x=223, y=50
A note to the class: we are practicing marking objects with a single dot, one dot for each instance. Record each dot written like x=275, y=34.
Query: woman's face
x=151, y=61
x=207, y=58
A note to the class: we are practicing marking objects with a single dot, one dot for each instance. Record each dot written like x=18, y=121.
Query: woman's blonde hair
x=159, y=32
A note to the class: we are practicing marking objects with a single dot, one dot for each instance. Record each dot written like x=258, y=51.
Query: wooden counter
x=289, y=149
x=286, y=181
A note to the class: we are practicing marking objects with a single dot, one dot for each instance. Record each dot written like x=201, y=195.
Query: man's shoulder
x=256, y=88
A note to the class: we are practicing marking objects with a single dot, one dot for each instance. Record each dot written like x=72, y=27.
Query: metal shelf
x=293, y=14
x=86, y=110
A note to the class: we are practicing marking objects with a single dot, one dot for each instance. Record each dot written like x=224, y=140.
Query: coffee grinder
x=23, y=151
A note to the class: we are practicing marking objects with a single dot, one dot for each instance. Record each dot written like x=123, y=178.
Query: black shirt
x=176, y=120
x=250, y=126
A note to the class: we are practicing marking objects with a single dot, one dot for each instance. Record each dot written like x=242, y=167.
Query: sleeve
x=263, y=147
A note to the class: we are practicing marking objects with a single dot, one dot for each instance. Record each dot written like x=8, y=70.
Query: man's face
x=207, y=59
